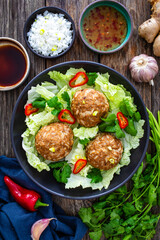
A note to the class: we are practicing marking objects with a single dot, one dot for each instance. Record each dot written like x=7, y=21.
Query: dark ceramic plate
x=45, y=179
x=32, y=18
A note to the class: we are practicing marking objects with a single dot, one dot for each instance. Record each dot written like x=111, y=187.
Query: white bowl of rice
x=49, y=32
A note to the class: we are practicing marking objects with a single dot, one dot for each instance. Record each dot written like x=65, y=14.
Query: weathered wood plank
x=13, y=16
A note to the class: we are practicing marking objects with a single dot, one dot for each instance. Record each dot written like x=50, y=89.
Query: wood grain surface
x=13, y=14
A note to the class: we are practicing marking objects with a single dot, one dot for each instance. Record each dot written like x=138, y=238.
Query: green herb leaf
x=61, y=171
x=39, y=103
x=84, y=141
x=99, y=205
x=55, y=112
x=122, y=190
x=57, y=175
x=102, y=126
x=118, y=131
x=86, y=215
x=152, y=195
x=137, y=116
x=96, y=235
x=95, y=175
x=57, y=164
x=53, y=103
x=129, y=209
x=127, y=108
x=111, y=129
x=110, y=119
x=91, y=78
x=66, y=98
x=130, y=129
x=65, y=174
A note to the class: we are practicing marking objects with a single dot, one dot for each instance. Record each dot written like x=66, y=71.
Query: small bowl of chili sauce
x=14, y=63
x=105, y=26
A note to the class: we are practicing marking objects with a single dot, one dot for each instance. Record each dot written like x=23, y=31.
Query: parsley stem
x=148, y=208
x=121, y=202
x=145, y=189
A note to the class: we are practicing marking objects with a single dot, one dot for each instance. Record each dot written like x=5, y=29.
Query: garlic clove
x=39, y=226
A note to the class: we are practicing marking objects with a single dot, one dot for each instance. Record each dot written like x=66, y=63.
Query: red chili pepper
x=79, y=165
x=73, y=80
x=123, y=121
x=28, y=199
x=62, y=118
x=29, y=109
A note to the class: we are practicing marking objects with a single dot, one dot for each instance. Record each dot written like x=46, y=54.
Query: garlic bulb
x=143, y=68
x=38, y=227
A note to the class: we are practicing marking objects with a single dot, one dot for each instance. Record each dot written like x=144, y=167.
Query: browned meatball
x=88, y=106
x=104, y=152
x=54, y=141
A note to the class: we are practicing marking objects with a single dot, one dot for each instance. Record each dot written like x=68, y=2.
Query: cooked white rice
x=50, y=34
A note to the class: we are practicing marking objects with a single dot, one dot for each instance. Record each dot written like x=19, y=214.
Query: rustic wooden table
x=13, y=14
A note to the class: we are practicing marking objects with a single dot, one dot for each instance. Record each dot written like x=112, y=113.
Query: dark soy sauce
x=12, y=65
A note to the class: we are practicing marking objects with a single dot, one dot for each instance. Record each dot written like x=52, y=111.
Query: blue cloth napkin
x=16, y=222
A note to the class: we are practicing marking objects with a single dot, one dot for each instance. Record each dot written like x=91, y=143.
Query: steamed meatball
x=88, y=106
x=54, y=141
x=104, y=152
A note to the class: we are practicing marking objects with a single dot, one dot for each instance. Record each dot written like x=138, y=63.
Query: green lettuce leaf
x=35, y=121
x=83, y=132
x=63, y=79
x=72, y=71
x=44, y=93
x=60, y=78
x=28, y=144
x=33, y=93
x=114, y=93
x=78, y=152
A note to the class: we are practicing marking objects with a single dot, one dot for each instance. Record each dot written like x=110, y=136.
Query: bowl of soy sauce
x=14, y=63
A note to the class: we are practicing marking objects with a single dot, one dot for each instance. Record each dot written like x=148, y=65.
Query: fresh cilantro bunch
x=61, y=171
x=127, y=214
